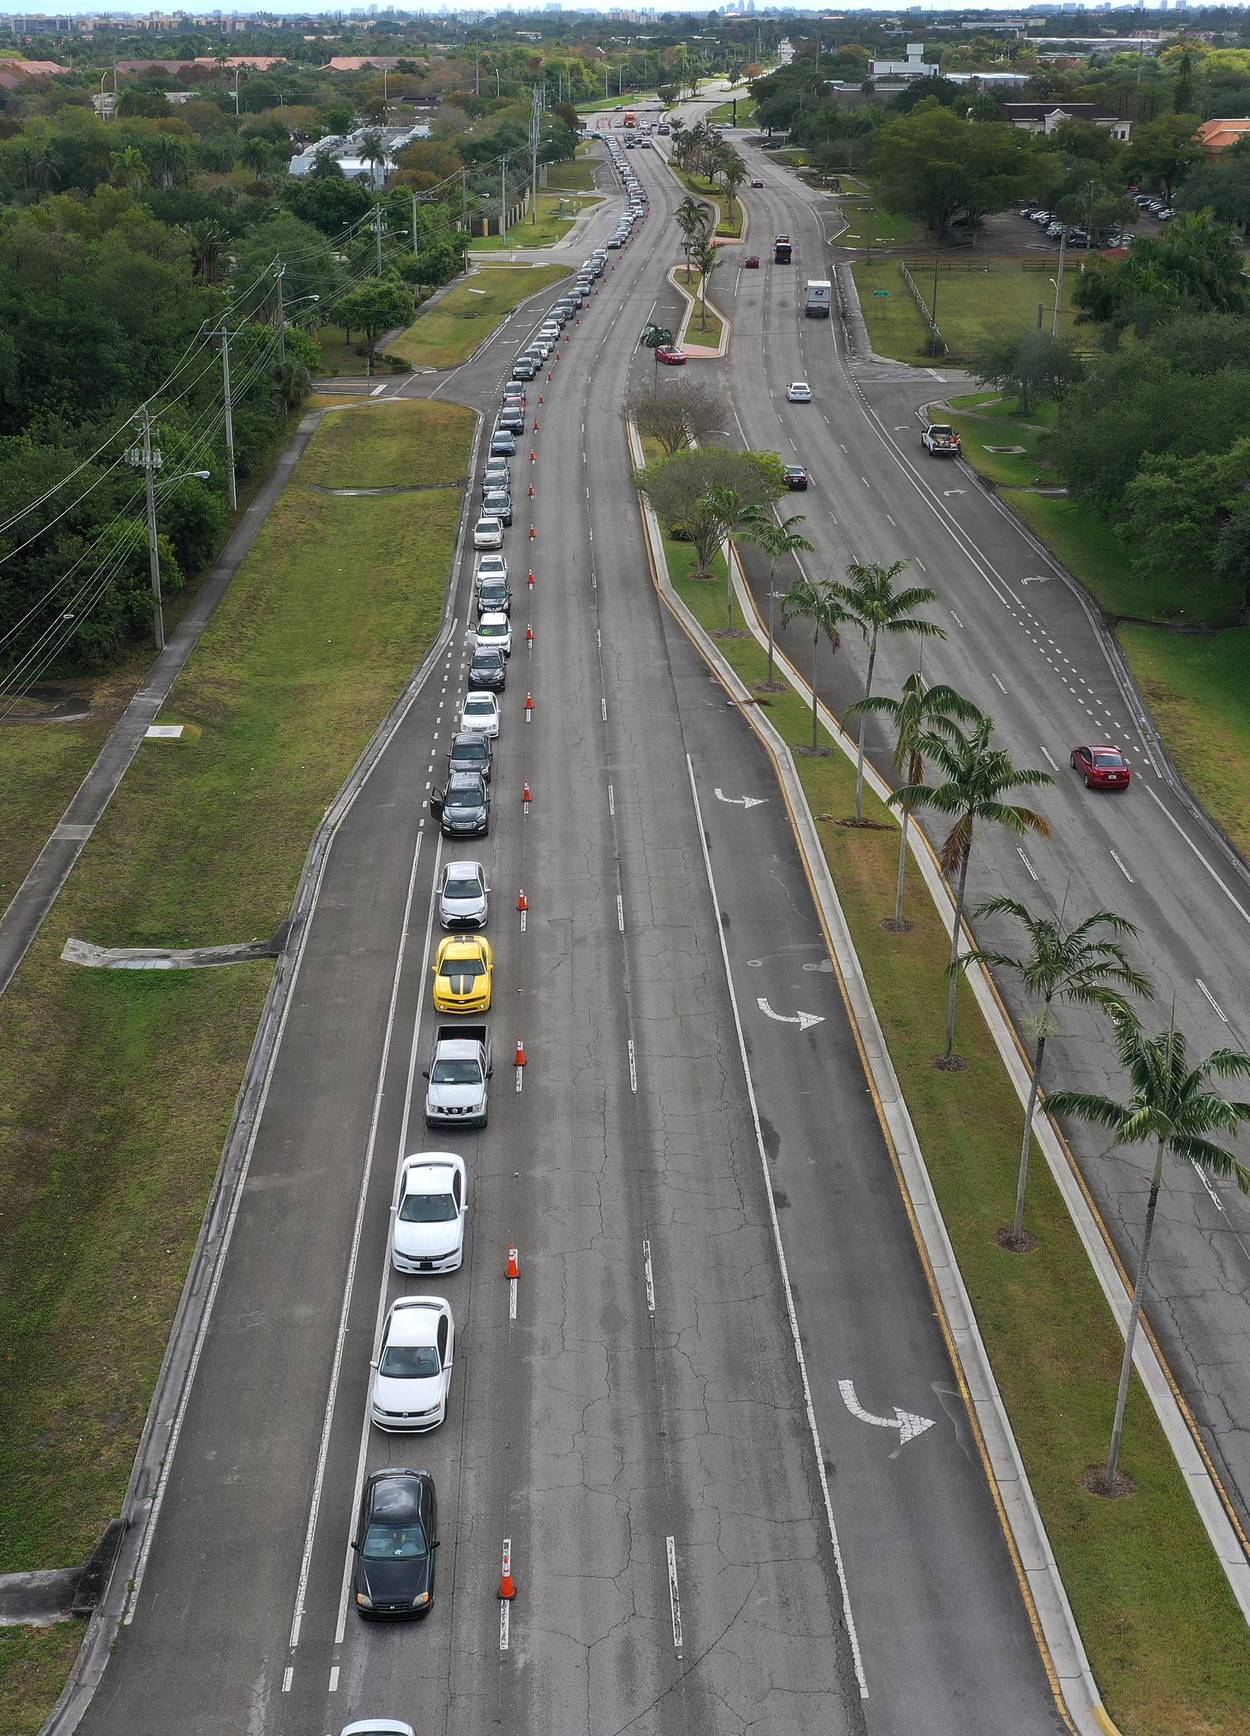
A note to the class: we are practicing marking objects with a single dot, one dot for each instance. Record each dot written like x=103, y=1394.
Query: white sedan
x=412, y=1370
x=799, y=392
x=427, y=1218
x=490, y=567
x=480, y=711
x=494, y=628
x=488, y=534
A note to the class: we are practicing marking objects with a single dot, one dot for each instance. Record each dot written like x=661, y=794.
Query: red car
x=671, y=356
x=1103, y=768
x=751, y=262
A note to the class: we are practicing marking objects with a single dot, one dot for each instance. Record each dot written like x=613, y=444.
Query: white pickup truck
x=940, y=440
x=458, y=1073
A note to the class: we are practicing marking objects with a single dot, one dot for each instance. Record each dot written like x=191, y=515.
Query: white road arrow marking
x=908, y=1424
x=949, y=491
x=802, y=1020
x=1036, y=579
x=741, y=801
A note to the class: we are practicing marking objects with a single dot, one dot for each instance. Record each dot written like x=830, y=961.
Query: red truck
x=782, y=248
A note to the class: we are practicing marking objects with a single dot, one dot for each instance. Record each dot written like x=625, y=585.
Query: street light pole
x=1063, y=242
x=503, y=198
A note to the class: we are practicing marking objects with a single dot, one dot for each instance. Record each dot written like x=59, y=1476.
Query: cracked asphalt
x=640, y=1431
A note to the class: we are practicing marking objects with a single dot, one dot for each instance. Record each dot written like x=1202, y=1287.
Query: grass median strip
x=1165, y=1639
x=117, y=1087
x=728, y=222
x=975, y=300
x=447, y=333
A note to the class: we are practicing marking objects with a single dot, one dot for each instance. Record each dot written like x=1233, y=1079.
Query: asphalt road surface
x=698, y=1548
x=1022, y=646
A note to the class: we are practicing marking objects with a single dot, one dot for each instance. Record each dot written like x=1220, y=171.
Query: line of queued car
x=637, y=195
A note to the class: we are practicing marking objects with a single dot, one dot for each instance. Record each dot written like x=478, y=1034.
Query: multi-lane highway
x=1024, y=646
x=669, y=1417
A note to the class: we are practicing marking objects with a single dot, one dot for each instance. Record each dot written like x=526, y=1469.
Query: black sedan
x=462, y=806
x=396, y=1536
x=494, y=597
x=488, y=670
x=469, y=752
x=795, y=477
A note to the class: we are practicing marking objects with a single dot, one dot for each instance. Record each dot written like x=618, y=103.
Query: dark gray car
x=462, y=806
x=469, y=752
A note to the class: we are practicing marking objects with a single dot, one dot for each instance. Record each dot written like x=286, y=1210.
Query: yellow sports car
x=464, y=968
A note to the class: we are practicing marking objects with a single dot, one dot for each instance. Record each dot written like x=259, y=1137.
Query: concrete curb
x=853, y=322
x=709, y=354
x=159, y=1439
x=1060, y=1642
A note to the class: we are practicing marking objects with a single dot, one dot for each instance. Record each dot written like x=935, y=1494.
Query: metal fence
x=940, y=346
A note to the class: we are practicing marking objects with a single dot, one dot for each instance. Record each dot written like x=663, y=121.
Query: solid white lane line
x=994, y=678
x=795, y=1336
x=1115, y=858
x=1239, y=908
x=1206, y=991
x=1032, y=871
x=301, y=1589
x=633, y=1067
x=648, y=1276
x=674, y=1593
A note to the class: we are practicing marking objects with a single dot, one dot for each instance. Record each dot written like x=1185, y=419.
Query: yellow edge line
x=1026, y=1592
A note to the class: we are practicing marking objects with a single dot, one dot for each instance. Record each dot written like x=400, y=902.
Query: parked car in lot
x=480, y=712
x=462, y=806
x=940, y=440
x=427, y=1217
x=798, y=392
x=795, y=477
x=412, y=1369
x=1102, y=768
x=394, y=1543
x=488, y=534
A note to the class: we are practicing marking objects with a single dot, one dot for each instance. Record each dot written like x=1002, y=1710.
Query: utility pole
x=414, y=225
x=1063, y=241
x=149, y=458
x=225, y=334
x=377, y=236
x=503, y=199
x=477, y=70
x=277, y=285
x=536, y=111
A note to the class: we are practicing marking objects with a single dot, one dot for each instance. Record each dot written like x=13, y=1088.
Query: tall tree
x=1032, y=365
x=706, y=259
x=1084, y=965
x=813, y=601
x=872, y=604
x=975, y=777
x=778, y=538
x=734, y=516
x=1177, y=1107
x=376, y=307
x=934, y=165
x=692, y=218
x=917, y=715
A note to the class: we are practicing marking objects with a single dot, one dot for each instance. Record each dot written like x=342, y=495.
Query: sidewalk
x=37, y=894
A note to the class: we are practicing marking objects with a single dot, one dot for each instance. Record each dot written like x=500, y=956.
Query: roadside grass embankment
x=1186, y=654
x=550, y=221
x=1168, y=1647
x=723, y=115
x=576, y=177
x=117, y=1087
x=870, y=224
x=976, y=298
x=447, y=333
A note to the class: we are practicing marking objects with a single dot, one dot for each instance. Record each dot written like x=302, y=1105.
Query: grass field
x=971, y=304
x=870, y=223
x=578, y=177
x=723, y=116
x=544, y=227
x=117, y=1087
x=631, y=99
x=1198, y=692
x=444, y=335
x=1168, y=1647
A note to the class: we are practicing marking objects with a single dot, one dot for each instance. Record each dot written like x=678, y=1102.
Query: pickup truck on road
x=458, y=1073
x=940, y=440
x=782, y=250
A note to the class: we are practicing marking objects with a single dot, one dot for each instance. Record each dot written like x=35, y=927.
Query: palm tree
x=1079, y=965
x=778, y=538
x=706, y=259
x=169, y=156
x=976, y=775
x=45, y=167
x=208, y=243
x=875, y=607
x=815, y=602
x=255, y=156
x=1174, y=1105
x=733, y=174
x=918, y=714
x=735, y=517
x=374, y=152
x=129, y=168
x=691, y=219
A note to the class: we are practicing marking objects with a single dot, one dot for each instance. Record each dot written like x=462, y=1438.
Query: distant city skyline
x=292, y=8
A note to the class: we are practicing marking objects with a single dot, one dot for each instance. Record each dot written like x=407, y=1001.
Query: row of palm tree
x=694, y=219
x=698, y=151
x=950, y=765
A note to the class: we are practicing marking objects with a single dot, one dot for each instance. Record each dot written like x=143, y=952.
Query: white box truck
x=819, y=298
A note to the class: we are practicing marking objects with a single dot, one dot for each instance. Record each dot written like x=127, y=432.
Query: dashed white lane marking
x=920, y=563
x=513, y=1285
x=648, y=1277
x=865, y=482
x=994, y=678
x=611, y=800
x=633, y=1067
x=1115, y=858
x=334, y=1679
x=603, y=708
x=955, y=619
x=1032, y=872
x=505, y=1607
x=891, y=520
x=674, y=1593
x=1206, y=991
x=620, y=913
x=288, y=1676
